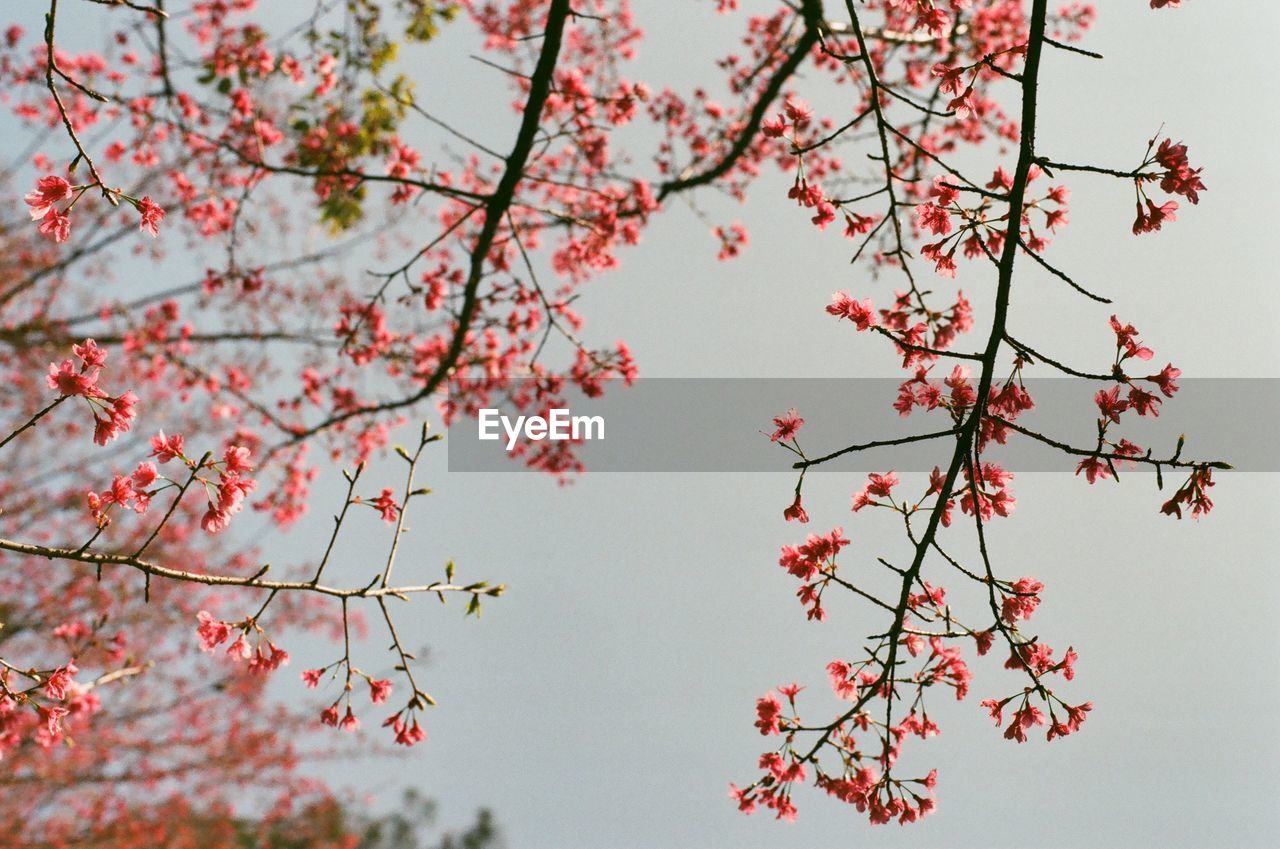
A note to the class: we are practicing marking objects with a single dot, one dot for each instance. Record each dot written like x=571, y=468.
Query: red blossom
x=49, y=190
x=150, y=216
x=788, y=425
x=386, y=505
x=796, y=512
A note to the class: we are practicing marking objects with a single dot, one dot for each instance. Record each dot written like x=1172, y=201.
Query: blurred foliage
x=329, y=823
x=409, y=827
x=360, y=115
x=324, y=823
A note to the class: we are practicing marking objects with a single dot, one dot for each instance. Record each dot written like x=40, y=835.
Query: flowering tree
x=158, y=412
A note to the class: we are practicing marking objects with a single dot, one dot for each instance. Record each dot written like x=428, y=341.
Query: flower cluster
x=262, y=656
x=1193, y=493
x=340, y=714
x=1176, y=177
x=814, y=563
x=1112, y=453
x=52, y=190
x=132, y=491
x=112, y=415
x=995, y=221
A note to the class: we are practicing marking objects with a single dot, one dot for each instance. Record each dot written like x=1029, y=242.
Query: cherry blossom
x=241, y=141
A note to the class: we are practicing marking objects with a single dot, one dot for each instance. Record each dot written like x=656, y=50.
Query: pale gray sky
x=606, y=701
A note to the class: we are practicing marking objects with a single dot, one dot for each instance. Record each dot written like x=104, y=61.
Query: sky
x=605, y=702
